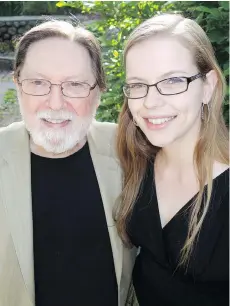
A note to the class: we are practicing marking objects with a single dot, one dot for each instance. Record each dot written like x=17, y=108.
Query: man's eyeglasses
x=70, y=89
x=166, y=87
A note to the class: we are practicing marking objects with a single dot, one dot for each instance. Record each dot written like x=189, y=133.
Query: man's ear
x=14, y=79
x=17, y=85
x=209, y=86
x=98, y=99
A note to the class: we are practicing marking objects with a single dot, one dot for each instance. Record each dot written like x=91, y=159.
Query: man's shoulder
x=103, y=135
x=11, y=134
x=15, y=126
x=105, y=129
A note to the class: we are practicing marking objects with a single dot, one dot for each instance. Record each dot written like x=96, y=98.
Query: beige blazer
x=16, y=236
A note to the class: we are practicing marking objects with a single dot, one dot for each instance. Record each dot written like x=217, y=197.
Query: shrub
x=10, y=8
x=17, y=8
x=10, y=97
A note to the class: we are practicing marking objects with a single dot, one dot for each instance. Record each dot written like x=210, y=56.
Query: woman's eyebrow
x=165, y=75
x=130, y=79
x=162, y=76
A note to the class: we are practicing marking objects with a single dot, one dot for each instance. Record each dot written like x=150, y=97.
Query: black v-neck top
x=157, y=279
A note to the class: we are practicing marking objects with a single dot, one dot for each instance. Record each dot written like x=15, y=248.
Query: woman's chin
x=161, y=143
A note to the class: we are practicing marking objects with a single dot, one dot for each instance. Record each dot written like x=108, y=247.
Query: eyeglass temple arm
x=195, y=77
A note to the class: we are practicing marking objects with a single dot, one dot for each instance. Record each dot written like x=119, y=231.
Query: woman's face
x=165, y=119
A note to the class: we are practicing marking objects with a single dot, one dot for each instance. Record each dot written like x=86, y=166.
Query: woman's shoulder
x=219, y=169
x=221, y=185
x=221, y=179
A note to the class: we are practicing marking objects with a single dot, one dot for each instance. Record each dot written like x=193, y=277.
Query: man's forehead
x=43, y=59
x=61, y=76
x=58, y=51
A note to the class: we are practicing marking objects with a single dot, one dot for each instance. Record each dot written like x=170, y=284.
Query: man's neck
x=38, y=150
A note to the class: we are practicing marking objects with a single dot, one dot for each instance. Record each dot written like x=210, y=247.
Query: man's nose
x=153, y=98
x=56, y=99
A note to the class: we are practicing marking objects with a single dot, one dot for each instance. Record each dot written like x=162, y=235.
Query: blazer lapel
x=16, y=196
x=109, y=179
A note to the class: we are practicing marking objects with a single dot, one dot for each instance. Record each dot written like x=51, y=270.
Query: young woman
x=173, y=147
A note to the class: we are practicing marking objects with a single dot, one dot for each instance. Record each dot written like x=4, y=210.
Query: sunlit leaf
x=115, y=53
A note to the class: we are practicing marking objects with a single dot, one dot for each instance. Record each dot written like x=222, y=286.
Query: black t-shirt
x=157, y=279
x=73, y=259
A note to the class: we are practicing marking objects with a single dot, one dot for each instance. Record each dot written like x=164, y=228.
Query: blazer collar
x=109, y=178
x=16, y=195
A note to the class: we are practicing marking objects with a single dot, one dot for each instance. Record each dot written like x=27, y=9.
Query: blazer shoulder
x=105, y=129
x=104, y=137
x=10, y=135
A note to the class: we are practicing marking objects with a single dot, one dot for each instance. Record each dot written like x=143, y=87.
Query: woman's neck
x=179, y=155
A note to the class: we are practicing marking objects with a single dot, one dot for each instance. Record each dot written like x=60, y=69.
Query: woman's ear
x=209, y=86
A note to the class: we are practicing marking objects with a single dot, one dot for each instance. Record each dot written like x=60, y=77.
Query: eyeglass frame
x=189, y=80
x=54, y=84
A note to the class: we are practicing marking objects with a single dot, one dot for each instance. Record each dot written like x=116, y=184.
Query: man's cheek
x=84, y=108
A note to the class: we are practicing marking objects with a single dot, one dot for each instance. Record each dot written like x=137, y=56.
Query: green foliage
x=213, y=17
x=10, y=8
x=39, y=7
x=119, y=18
x=18, y=8
x=10, y=97
x=43, y=8
x=4, y=47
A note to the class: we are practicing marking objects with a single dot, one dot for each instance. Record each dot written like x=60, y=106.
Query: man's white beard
x=60, y=140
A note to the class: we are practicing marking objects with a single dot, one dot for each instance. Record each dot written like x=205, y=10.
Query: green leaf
x=213, y=11
x=203, y=9
x=115, y=53
x=226, y=102
x=119, y=36
x=62, y=4
x=200, y=18
x=226, y=72
x=225, y=5
x=216, y=36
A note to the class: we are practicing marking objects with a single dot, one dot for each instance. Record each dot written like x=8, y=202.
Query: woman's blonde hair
x=134, y=150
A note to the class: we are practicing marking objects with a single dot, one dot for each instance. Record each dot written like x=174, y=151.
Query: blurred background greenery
x=118, y=19
x=31, y=8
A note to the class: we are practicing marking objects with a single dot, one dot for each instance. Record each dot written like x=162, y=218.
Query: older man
x=59, y=179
